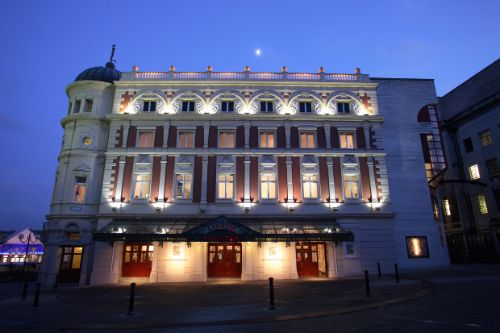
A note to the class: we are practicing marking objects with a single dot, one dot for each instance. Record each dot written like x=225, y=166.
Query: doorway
x=137, y=259
x=311, y=259
x=71, y=264
x=224, y=260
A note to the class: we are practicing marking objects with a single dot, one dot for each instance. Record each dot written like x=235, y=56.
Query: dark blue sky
x=45, y=44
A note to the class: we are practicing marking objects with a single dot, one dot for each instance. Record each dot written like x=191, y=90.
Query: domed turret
x=108, y=73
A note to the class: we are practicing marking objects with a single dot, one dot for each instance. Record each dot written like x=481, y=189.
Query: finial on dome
x=111, y=62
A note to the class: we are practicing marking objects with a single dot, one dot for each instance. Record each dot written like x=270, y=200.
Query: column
x=166, y=128
x=247, y=179
x=247, y=260
x=118, y=194
x=328, y=135
x=373, y=187
x=287, y=135
x=293, y=261
x=153, y=277
x=116, y=263
x=331, y=182
x=204, y=169
x=125, y=136
x=247, y=135
x=161, y=190
x=206, y=130
x=366, y=129
x=289, y=179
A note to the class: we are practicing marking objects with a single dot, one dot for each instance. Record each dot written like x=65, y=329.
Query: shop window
x=267, y=139
x=351, y=186
x=417, y=247
x=266, y=106
x=310, y=186
x=486, y=138
x=187, y=106
x=268, y=186
x=183, y=186
x=226, y=186
x=89, y=105
x=80, y=189
x=468, y=145
x=347, y=140
x=474, y=172
x=142, y=183
x=307, y=140
x=481, y=201
x=149, y=106
x=145, y=139
x=186, y=139
x=227, y=106
x=226, y=139
x=305, y=107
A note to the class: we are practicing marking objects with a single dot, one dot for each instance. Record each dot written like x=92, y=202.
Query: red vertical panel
x=212, y=137
x=169, y=179
x=211, y=178
x=172, y=137
x=337, y=179
x=297, y=179
x=254, y=179
x=197, y=172
x=294, y=137
x=365, y=179
x=323, y=178
x=132, y=134
x=116, y=169
x=254, y=137
x=159, y=137
x=199, y=137
x=119, y=137
x=360, y=137
x=334, y=137
x=127, y=178
x=240, y=137
x=281, y=139
x=282, y=181
x=321, y=137
x=155, y=179
x=240, y=178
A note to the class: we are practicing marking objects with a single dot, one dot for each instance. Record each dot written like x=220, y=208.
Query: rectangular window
x=141, y=185
x=493, y=167
x=226, y=139
x=266, y=106
x=149, y=106
x=268, y=186
x=77, y=106
x=474, y=172
x=89, y=104
x=80, y=189
x=267, y=139
x=417, y=247
x=227, y=106
x=183, y=186
x=446, y=205
x=187, y=106
x=226, y=185
x=347, y=140
x=486, y=138
x=481, y=201
x=307, y=140
x=343, y=107
x=349, y=249
x=468, y=145
x=310, y=186
x=305, y=107
x=145, y=139
x=351, y=186
x=186, y=139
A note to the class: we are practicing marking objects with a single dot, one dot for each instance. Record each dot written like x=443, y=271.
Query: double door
x=71, y=264
x=137, y=259
x=224, y=260
x=311, y=261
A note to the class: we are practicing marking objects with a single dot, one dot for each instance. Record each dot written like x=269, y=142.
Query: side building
x=186, y=176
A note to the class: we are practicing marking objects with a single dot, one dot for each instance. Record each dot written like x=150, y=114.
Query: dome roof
x=105, y=74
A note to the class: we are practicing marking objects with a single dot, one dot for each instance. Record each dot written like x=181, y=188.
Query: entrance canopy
x=223, y=229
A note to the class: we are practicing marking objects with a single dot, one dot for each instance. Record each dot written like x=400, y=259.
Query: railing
x=245, y=76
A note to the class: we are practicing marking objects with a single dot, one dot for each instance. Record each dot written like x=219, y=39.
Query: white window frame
x=85, y=186
x=225, y=174
x=360, y=194
x=474, y=172
x=187, y=101
x=139, y=131
x=273, y=132
x=148, y=100
x=226, y=131
x=261, y=174
x=307, y=102
x=311, y=132
x=348, y=102
x=183, y=197
x=347, y=132
x=134, y=182
x=181, y=130
x=318, y=190
x=267, y=101
x=226, y=101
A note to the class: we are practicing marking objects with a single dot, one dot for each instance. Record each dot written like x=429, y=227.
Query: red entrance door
x=224, y=260
x=137, y=259
x=310, y=259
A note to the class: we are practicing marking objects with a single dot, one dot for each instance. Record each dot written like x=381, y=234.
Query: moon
x=258, y=52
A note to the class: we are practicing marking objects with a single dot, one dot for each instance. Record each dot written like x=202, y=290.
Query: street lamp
x=27, y=242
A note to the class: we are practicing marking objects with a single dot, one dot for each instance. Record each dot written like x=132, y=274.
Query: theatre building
x=189, y=176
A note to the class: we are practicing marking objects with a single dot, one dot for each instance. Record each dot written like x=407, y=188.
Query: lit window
x=226, y=139
x=486, y=138
x=187, y=106
x=483, y=208
x=343, y=107
x=347, y=140
x=227, y=106
x=226, y=182
x=468, y=145
x=307, y=140
x=310, y=186
x=305, y=107
x=141, y=185
x=266, y=106
x=149, y=106
x=447, y=210
x=417, y=247
x=474, y=172
x=267, y=139
x=77, y=106
x=493, y=167
x=80, y=189
x=351, y=186
x=186, y=139
x=145, y=139
x=268, y=186
x=89, y=104
x=183, y=186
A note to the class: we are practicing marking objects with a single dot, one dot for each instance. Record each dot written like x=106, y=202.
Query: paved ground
x=462, y=298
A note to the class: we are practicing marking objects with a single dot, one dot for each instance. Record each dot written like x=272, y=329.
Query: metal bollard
x=396, y=273
x=37, y=296
x=367, y=284
x=379, y=270
x=131, y=301
x=25, y=290
x=271, y=294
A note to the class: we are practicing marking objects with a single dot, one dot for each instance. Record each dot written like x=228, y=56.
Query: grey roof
x=105, y=74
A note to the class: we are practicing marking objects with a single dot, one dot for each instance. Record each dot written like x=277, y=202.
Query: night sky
x=45, y=44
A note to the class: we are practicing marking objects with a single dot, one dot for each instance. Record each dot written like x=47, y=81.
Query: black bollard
x=131, y=301
x=271, y=294
x=379, y=270
x=396, y=273
x=25, y=290
x=37, y=296
x=367, y=284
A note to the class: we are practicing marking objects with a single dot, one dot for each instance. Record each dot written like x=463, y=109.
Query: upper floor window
x=142, y=183
x=266, y=106
x=187, y=106
x=468, y=145
x=267, y=139
x=481, y=201
x=351, y=186
x=226, y=139
x=145, y=139
x=226, y=186
x=343, y=107
x=89, y=104
x=80, y=189
x=149, y=106
x=77, y=106
x=474, y=172
x=268, y=186
x=446, y=206
x=186, y=139
x=307, y=140
x=305, y=107
x=493, y=167
x=310, y=186
x=486, y=138
x=347, y=140
x=227, y=106
x=183, y=186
